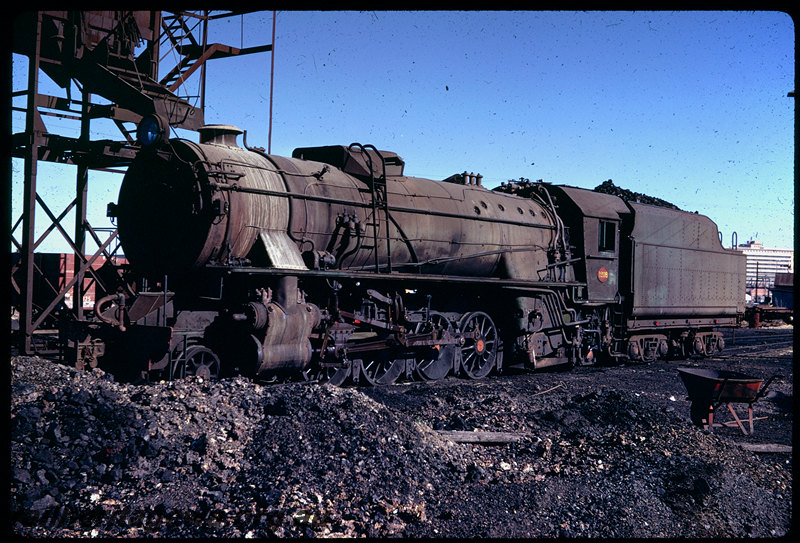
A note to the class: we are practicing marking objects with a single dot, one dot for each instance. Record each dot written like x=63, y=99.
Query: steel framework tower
x=115, y=55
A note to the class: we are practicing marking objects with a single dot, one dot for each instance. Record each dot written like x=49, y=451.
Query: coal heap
x=597, y=456
x=526, y=188
x=608, y=187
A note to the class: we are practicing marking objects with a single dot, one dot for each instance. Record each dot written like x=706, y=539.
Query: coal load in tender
x=524, y=188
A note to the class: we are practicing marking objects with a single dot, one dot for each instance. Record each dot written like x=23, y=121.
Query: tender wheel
x=381, y=370
x=714, y=344
x=479, y=353
x=650, y=352
x=634, y=352
x=200, y=361
x=663, y=349
x=699, y=346
x=435, y=367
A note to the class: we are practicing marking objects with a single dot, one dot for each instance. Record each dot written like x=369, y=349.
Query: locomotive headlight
x=152, y=130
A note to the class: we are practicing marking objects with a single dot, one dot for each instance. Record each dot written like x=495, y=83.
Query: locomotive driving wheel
x=479, y=352
x=332, y=364
x=200, y=361
x=439, y=363
x=381, y=369
x=335, y=375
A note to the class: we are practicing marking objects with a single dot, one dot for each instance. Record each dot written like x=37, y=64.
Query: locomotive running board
x=394, y=276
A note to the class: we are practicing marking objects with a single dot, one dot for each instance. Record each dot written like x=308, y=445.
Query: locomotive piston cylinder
x=290, y=322
x=286, y=343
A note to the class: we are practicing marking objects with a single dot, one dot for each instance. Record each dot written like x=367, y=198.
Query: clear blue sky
x=690, y=107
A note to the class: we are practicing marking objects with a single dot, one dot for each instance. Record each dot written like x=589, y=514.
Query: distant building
x=765, y=263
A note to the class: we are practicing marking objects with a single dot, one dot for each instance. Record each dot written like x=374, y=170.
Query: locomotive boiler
x=332, y=264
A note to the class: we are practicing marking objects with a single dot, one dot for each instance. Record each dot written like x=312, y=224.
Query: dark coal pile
x=608, y=187
x=526, y=189
x=601, y=452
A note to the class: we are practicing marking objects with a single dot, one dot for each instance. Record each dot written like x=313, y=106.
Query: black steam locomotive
x=333, y=265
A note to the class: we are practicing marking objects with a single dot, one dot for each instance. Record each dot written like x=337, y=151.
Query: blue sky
x=690, y=107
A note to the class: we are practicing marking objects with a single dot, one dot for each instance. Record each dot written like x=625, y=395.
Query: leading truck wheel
x=200, y=361
x=479, y=351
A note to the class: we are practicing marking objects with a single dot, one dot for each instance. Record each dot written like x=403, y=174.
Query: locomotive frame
x=332, y=265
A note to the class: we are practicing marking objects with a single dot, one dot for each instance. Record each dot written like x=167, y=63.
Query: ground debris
x=609, y=455
x=766, y=447
x=488, y=438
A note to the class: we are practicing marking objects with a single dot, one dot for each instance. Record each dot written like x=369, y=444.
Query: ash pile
x=91, y=457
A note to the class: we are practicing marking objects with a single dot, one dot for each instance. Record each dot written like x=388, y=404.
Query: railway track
x=760, y=343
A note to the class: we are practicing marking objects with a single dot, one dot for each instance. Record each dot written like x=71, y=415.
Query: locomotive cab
x=594, y=221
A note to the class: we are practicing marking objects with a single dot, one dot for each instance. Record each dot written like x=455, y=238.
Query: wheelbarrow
x=710, y=389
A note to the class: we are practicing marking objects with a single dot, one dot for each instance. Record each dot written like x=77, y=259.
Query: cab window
x=607, y=236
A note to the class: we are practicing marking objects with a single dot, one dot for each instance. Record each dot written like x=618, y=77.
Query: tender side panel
x=679, y=266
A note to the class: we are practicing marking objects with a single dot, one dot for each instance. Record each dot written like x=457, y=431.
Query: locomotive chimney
x=221, y=134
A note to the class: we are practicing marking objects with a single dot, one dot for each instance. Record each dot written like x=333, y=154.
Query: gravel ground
x=601, y=452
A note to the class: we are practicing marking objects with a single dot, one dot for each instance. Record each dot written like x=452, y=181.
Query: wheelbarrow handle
x=763, y=390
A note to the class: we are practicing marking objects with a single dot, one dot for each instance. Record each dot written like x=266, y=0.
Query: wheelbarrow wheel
x=699, y=412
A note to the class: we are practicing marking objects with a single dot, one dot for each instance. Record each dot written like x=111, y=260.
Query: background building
x=763, y=265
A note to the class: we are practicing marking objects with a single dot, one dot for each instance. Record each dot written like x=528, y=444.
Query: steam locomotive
x=333, y=265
